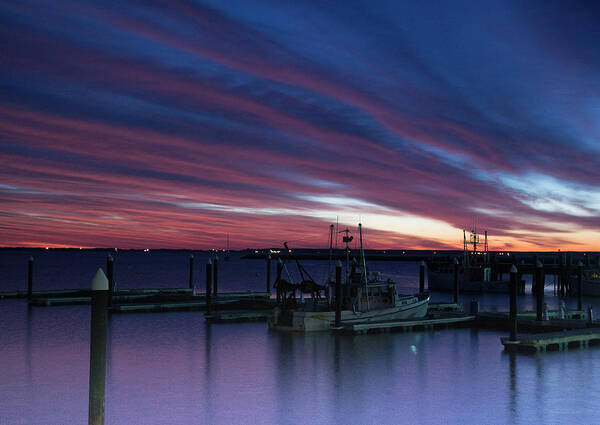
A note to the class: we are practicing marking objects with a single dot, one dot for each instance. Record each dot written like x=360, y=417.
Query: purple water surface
x=172, y=368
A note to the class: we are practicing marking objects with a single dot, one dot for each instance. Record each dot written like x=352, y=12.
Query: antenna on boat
x=347, y=239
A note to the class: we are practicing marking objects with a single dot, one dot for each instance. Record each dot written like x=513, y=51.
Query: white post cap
x=100, y=282
x=539, y=264
x=513, y=269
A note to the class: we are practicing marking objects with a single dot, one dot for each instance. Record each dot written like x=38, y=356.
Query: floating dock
x=59, y=301
x=156, y=300
x=238, y=316
x=526, y=321
x=552, y=341
x=432, y=321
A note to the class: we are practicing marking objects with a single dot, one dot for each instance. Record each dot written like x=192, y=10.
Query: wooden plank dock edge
x=552, y=341
x=170, y=306
x=527, y=322
x=48, y=302
x=436, y=306
x=239, y=316
x=134, y=292
x=437, y=322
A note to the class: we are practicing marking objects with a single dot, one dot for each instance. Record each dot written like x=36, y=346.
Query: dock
x=155, y=300
x=59, y=301
x=526, y=321
x=239, y=316
x=432, y=321
x=553, y=341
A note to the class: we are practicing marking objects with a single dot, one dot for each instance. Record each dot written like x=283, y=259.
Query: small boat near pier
x=365, y=297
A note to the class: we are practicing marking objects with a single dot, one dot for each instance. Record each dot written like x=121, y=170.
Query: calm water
x=173, y=368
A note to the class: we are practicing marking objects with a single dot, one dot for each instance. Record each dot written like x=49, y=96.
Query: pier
x=538, y=331
x=553, y=341
x=443, y=320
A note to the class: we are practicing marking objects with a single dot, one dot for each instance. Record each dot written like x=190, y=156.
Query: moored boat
x=475, y=274
x=365, y=297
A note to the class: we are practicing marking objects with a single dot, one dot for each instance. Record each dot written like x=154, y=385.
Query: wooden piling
x=338, y=294
x=191, y=273
x=514, y=276
x=422, y=277
x=208, y=285
x=269, y=273
x=534, y=284
x=100, y=294
x=579, y=285
x=539, y=294
x=215, y=275
x=110, y=270
x=455, y=281
x=278, y=278
x=569, y=273
x=30, y=278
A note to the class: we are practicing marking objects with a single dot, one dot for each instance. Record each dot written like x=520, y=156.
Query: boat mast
x=486, y=248
x=364, y=264
x=465, y=247
x=329, y=279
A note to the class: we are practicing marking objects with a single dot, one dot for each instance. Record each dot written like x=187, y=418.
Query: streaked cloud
x=171, y=125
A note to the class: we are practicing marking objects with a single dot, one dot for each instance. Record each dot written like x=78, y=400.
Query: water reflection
x=540, y=399
x=209, y=385
x=513, y=393
x=27, y=348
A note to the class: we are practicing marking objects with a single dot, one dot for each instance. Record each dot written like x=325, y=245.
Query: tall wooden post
x=514, y=276
x=569, y=273
x=534, y=274
x=269, y=273
x=215, y=276
x=455, y=281
x=110, y=275
x=191, y=273
x=579, y=285
x=338, y=294
x=422, y=277
x=208, y=285
x=30, y=278
x=539, y=284
x=278, y=278
x=98, y=349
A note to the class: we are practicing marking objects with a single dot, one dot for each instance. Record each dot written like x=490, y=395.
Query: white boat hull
x=314, y=321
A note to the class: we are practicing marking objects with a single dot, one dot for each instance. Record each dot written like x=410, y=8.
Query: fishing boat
x=475, y=274
x=366, y=297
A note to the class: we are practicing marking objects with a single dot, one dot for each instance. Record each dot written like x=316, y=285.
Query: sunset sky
x=170, y=124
